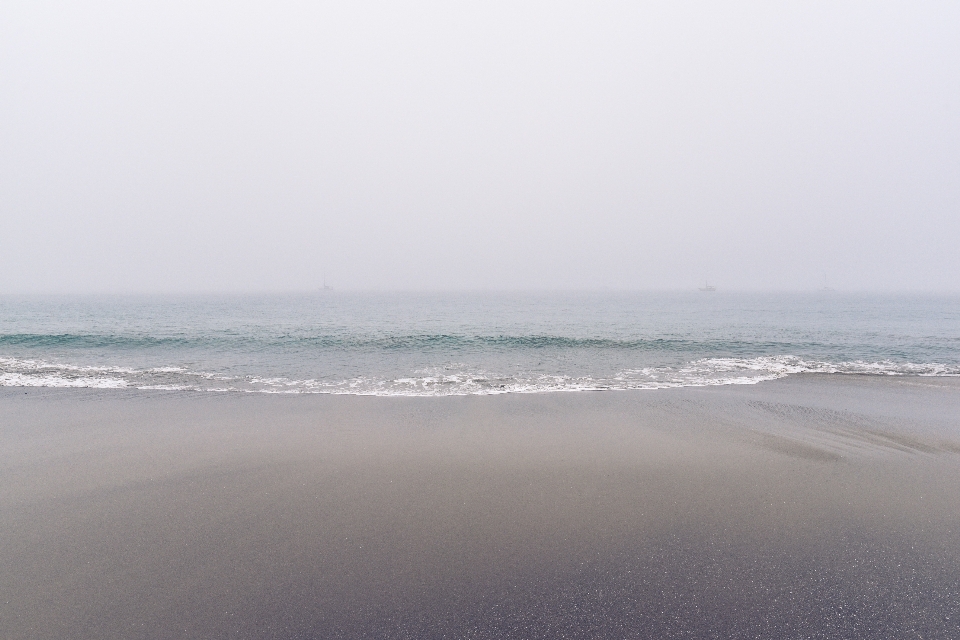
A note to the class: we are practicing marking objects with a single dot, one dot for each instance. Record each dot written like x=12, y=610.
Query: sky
x=239, y=146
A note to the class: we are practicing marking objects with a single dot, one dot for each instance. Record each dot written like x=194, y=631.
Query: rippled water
x=438, y=344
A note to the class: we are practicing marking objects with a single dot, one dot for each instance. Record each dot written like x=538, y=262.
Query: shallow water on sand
x=807, y=507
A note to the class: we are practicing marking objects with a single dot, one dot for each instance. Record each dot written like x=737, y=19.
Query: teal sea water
x=468, y=343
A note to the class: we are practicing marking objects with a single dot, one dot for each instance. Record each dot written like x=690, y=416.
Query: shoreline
x=807, y=506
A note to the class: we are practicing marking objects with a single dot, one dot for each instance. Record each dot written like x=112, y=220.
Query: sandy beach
x=812, y=506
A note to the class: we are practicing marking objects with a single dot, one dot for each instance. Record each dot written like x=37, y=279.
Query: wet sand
x=814, y=506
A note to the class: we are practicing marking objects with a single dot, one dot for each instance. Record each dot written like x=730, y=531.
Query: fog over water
x=246, y=146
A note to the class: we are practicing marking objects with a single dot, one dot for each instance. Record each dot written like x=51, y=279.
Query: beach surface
x=822, y=506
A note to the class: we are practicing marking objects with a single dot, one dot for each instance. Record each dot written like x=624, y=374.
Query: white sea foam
x=9, y=379
x=779, y=366
x=451, y=379
x=15, y=364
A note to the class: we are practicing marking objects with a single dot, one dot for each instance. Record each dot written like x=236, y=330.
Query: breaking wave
x=452, y=378
x=412, y=341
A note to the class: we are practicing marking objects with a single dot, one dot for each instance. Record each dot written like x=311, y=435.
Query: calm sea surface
x=471, y=343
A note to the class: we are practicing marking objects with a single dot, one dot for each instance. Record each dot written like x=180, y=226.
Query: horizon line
x=320, y=290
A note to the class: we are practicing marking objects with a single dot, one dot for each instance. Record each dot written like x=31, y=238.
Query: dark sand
x=814, y=506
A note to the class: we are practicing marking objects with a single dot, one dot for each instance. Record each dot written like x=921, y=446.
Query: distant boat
x=825, y=287
x=325, y=288
x=707, y=287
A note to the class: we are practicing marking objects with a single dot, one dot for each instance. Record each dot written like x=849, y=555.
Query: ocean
x=433, y=344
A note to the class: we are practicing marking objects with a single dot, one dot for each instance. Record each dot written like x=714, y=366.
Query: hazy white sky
x=185, y=146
